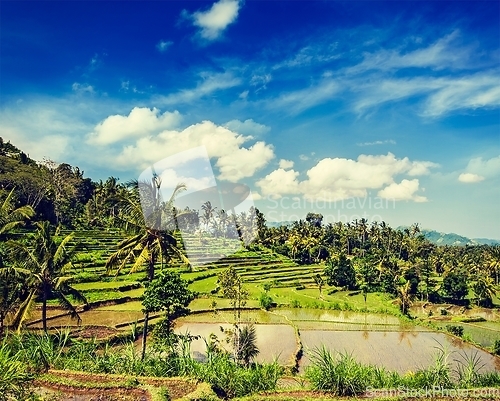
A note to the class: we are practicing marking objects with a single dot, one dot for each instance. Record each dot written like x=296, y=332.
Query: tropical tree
x=47, y=262
x=484, y=290
x=167, y=293
x=150, y=223
x=320, y=283
x=340, y=272
x=455, y=285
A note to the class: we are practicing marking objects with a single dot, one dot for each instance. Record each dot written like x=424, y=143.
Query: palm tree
x=493, y=258
x=245, y=343
x=10, y=284
x=46, y=262
x=484, y=290
x=10, y=217
x=147, y=219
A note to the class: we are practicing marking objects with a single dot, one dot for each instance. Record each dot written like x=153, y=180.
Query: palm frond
x=23, y=312
x=66, y=304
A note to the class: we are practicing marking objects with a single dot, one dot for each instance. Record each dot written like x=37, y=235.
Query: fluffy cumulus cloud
x=470, y=178
x=405, y=190
x=247, y=127
x=340, y=178
x=215, y=20
x=285, y=164
x=486, y=168
x=141, y=122
x=153, y=143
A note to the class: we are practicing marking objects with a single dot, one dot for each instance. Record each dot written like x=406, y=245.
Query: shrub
x=455, y=330
x=295, y=303
x=496, y=347
x=266, y=301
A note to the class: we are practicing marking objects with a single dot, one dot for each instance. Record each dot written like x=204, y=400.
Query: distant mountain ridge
x=439, y=238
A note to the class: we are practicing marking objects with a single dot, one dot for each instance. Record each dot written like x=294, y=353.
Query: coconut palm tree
x=47, y=263
x=150, y=223
x=10, y=283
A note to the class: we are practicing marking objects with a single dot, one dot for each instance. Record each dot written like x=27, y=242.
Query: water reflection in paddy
x=375, y=339
x=273, y=340
x=401, y=351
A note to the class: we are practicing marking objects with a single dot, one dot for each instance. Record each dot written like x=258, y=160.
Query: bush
x=496, y=347
x=265, y=301
x=455, y=330
x=295, y=303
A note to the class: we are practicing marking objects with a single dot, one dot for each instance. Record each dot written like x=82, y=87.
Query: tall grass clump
x=339, y=373
x=229, y=379
x=15, y=377
x=438, y=374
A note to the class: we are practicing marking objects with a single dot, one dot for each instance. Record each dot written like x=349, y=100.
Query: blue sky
x=384, y=110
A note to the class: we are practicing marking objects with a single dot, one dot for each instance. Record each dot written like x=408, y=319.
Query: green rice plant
x=340, y=374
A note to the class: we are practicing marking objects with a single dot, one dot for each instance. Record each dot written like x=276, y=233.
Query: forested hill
x=455, y=239
x=57, y=192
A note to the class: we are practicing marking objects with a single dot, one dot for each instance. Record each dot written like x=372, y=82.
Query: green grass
x=97, y=285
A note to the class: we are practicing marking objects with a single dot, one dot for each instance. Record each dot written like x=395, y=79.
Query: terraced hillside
x=115, y=300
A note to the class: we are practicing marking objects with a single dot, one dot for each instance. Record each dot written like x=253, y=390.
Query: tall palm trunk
x=44, y=307
x=151, y=274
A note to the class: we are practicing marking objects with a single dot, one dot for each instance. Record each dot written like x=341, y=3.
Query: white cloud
x=82, y=88
x=470, y=178
x=279, y=183
x=387, y=141
x=340, y=178
x=141, y=122
x=303, y=157
x=444, y=53
x=286, y=164
x=244, y=162
x=234, y=160
x=486, y=168
x=210, y=83
x=215, y=20
x=472, y=92
x=247, y=127
x=405, y=190
x=303, y=99
x=163, y=45
x=310, y=55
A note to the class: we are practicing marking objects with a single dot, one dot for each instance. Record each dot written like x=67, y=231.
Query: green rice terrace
x=300, y=323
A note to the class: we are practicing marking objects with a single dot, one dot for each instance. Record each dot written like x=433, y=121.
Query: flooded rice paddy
x=372, y=339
